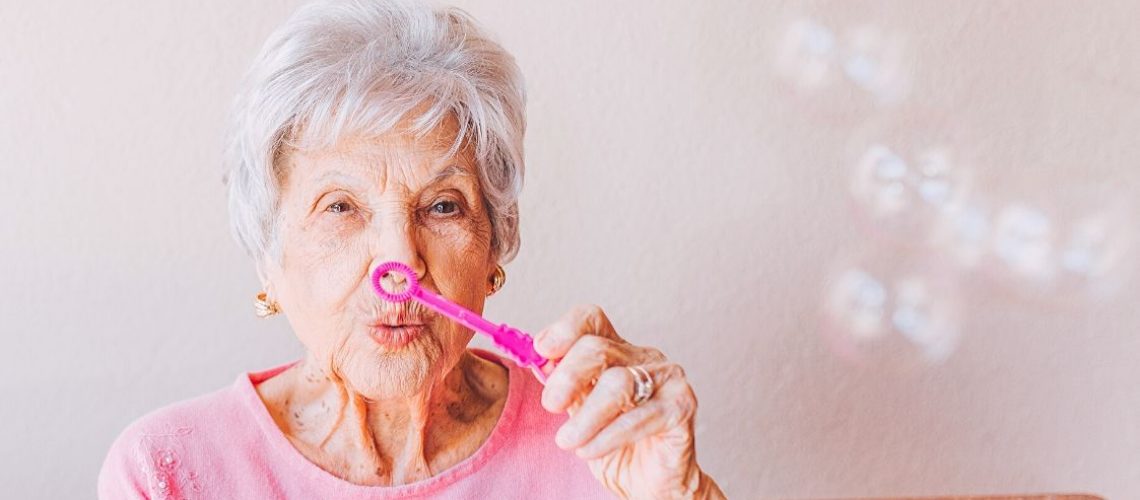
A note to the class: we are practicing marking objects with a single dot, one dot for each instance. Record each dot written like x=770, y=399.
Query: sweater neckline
x=292, y=461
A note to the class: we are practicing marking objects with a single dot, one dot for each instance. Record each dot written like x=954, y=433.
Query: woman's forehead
x=394, y=158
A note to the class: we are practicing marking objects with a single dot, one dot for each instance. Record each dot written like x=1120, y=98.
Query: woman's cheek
x=471, y=232
x=326, y=259
x=457, y=253
x=330, y=267
x=342, y=260
x=337, y=235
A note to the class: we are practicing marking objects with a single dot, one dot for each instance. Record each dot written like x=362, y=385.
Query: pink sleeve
x=121, y=476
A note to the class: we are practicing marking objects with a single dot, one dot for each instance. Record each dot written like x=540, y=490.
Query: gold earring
x=497, y=280
x=264, y=307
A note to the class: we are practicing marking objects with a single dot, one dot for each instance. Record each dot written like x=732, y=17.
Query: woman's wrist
x=700, y=487
x=707, y=489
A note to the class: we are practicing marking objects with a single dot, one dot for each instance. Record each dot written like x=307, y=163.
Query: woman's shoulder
x=169, y=450
x=186, y=413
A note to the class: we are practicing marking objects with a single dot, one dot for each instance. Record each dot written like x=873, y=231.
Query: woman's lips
x=395, y=337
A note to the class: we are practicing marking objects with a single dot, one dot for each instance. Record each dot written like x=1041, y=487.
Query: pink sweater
x=226, y=445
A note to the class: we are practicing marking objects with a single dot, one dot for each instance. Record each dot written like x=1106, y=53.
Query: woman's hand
x=637, y=451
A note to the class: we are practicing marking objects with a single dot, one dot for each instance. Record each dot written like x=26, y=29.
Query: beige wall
x=686, y=172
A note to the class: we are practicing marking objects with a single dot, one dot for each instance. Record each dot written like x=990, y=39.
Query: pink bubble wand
x=514, y=342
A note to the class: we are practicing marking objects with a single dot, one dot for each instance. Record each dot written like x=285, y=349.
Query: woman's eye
x=445, y=207
x=339, y=207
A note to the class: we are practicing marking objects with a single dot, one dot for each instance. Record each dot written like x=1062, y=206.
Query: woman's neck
x=392, y=441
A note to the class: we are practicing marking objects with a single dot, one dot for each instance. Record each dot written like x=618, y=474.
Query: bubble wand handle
x=514, y=342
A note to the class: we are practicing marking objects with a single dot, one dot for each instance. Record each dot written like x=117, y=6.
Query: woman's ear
x=266, y=271
x=492, y=263
x=490, y=274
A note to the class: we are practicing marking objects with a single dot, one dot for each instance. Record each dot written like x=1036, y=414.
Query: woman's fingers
x=576, y=372
x=554, y=341
x=636, y=424
x=605, y=402
x=672, y=407
x=583, y=344
x=589, y=377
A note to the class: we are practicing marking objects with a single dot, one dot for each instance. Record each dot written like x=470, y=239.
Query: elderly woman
x=372, y=131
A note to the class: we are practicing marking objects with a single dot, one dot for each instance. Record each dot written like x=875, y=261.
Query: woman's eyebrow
x=452, y=170
x=449, y=171
x=340, y=178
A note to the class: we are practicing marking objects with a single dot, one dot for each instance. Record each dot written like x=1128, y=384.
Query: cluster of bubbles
x=901, y=192
x=1058, y=254
x=914, y=191
x=811, y=57
x=886, y=313
x=1070, y=248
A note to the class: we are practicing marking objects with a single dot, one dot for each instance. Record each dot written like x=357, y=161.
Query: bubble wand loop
x=514, y=342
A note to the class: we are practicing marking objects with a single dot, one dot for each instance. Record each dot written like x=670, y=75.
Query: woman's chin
x=381, y=371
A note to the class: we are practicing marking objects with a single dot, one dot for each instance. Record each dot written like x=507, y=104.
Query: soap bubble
x=876, y=61
x=1023, y=241
x=1076, y=250
x=904, y=192
x=823, y=66
x=963, y=234
x=890, y=312
x=806, y=55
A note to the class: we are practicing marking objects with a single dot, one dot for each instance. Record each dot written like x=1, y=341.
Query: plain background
x=673, y=178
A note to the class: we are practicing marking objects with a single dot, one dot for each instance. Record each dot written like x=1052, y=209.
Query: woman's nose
x=395, y=239
x=393, y=281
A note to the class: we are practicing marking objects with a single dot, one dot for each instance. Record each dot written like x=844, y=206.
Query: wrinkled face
x=345, y=210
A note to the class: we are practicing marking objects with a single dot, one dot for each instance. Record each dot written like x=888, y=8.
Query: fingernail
x=563, y=437
x=542, y=342
x=548, y=402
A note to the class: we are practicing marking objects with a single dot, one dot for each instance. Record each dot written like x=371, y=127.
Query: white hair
x=361, y=67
